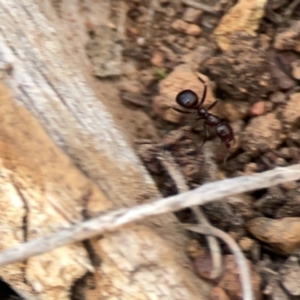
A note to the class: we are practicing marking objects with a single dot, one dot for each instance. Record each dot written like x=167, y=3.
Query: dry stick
x=238, y=255
x=110, y=221
x=169, y=164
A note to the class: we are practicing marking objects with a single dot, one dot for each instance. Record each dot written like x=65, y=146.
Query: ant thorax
x=202, y=112
x=212, y=120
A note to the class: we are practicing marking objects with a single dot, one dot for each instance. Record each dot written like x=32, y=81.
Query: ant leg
x=181, y=111
x=212, y=105
x=227, y=144
x=205, y=136
x=204, y=91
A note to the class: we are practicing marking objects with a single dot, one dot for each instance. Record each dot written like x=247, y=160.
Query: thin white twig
x=238, y=255
x=113, y=220
x=169, y=164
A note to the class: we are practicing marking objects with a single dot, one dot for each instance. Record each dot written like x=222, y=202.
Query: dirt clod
x=244, y=71
x=291, y=112
x=278, y=68
x=291, y=207
x=262, y=134
x=233, y=110
x=244, y=17
x=290, y=273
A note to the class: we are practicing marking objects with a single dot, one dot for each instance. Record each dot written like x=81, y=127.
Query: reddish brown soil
x=257, y=85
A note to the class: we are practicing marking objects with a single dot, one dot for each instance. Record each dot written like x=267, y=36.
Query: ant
x=188, y=99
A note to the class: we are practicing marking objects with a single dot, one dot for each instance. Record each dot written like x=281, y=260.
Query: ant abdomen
x=224, y=131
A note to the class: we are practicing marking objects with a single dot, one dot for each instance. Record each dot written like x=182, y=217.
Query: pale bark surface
x=63, y=158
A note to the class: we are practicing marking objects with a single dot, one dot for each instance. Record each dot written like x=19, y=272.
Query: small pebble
x=243, y=158
x=284, y=152
x=218, y=293
x=171, y=38
x=279, y=161
x=140, y=41
x=258, y=108
x=157, y=59
x=246, y=244
x=234, y=234
x=294, y=136
x=197, y=56
x=131, y=86
x=296, y=69
x=250, y=168
x=291, y=112
x=132, y=31
x=191, y=42
x=147, y=77
x=180, y=25
x=290, y=185
x=170, y=12
x=193, y=30
x=233, y=110
x=278, y=98
x=203, y=266
x=192, y=15
x=283, y=81
x=268, y=107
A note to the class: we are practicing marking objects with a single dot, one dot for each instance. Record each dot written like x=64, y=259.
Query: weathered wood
x=63, y=157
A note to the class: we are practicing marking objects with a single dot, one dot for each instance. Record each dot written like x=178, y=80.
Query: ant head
x=187, y=99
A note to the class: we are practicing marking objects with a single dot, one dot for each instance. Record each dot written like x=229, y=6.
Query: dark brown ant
x=188, y=99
